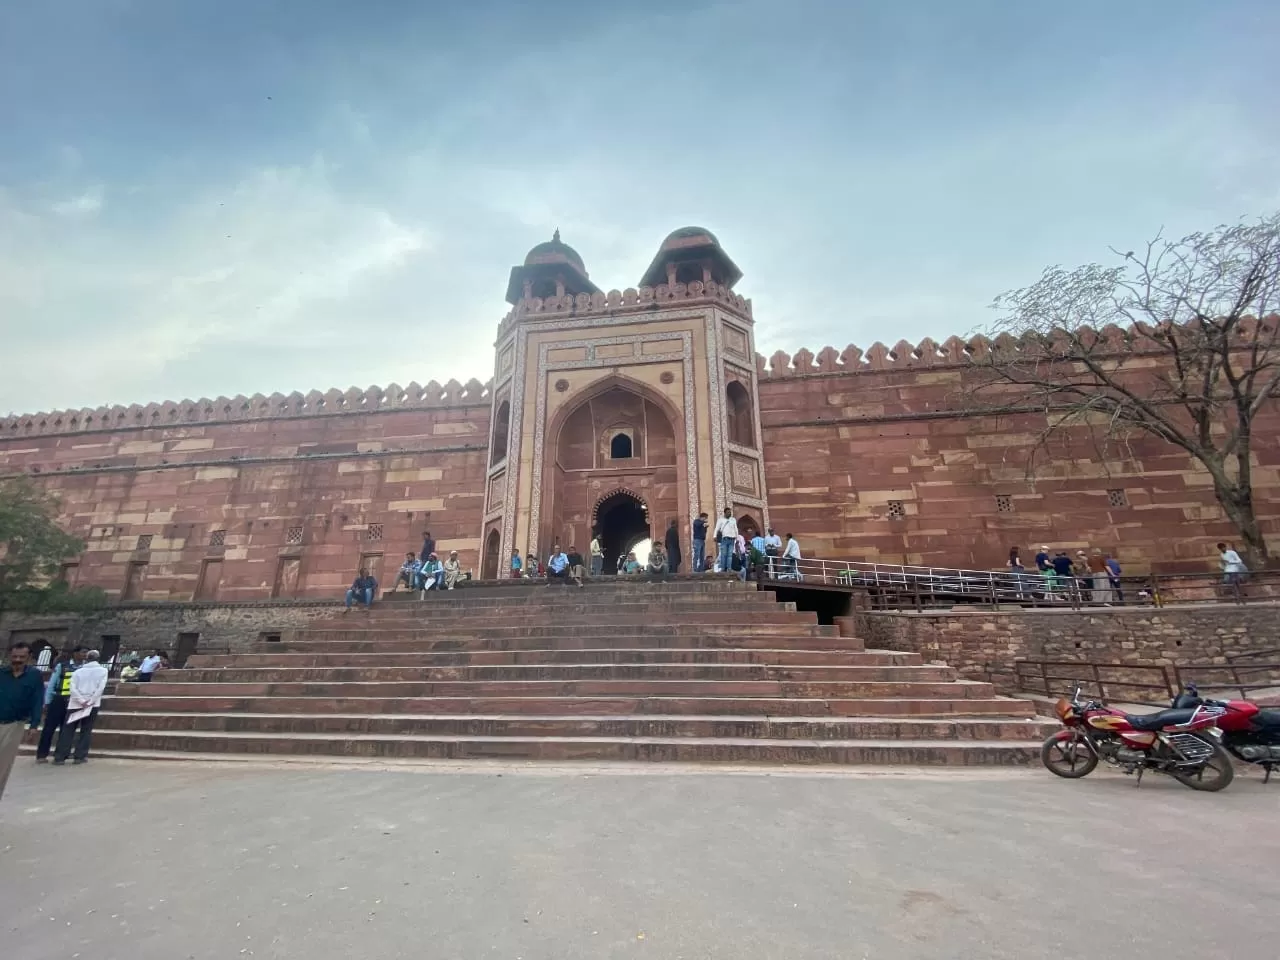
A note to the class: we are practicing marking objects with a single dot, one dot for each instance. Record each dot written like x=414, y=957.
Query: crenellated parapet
x=620, y=301
x=901, y=356
x=954, y=352
x=257, y=407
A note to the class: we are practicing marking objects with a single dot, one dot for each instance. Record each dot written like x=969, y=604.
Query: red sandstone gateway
x=1182, y=743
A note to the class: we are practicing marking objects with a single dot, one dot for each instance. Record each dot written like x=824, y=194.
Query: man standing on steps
x=87, y=686
x=726, y=537
x=428, y=546
x=597, y=554
x=791, y=556
x=673, y=546
x=21, y=700
x=56, y=695
x=700, y=543
x=772, y=550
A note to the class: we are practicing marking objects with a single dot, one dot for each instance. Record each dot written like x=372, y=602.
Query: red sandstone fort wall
x=261, y=497
x=847, y=436
x=299, y=489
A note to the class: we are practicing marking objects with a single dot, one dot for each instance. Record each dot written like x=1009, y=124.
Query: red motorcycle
x=1182, y=743
x=1249, y=732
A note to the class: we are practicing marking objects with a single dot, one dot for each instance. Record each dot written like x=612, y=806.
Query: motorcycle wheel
x=1071, y=759
x=1215, y=775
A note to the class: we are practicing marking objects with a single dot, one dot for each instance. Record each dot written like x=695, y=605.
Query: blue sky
x=202, y=198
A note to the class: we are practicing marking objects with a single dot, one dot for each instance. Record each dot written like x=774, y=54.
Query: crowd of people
x=1095, y=575
x=762, y=555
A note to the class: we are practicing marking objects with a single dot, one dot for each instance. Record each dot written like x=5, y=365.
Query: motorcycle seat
x=1159, y=719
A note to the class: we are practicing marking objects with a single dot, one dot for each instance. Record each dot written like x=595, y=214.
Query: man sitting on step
x=557, y=566
x=363, y=589
x=408, y=574
x=432, y=574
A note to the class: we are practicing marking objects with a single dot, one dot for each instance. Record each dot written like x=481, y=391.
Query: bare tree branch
x=1180, y=341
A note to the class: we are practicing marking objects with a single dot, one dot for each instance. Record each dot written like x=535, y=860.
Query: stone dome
x=553, y=251
x=679, y=237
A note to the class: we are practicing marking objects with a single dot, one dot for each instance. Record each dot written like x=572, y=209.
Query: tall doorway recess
x=623, y=522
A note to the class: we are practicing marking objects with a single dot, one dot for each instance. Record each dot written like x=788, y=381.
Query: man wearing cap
x=432, y=574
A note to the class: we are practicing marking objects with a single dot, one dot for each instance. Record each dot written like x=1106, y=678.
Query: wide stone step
x=181, y=699
x=674, y=749
x=558, y=672
x=603, y=630
x=482, y=658
x=754, y=727
x=357, y=619
x=358, y=644
x=430, y=609
x=557, y=596
x=526, y=590
x=566, y=688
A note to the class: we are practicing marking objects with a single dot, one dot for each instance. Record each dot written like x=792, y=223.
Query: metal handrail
x=909, y=586
x=1038, y=675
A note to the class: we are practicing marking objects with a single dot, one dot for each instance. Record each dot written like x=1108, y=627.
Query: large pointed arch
x=553, y=495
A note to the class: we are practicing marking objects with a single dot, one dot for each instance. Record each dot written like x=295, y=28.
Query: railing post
x=1155, y=592
x=1097, y=681
x=1044, y=678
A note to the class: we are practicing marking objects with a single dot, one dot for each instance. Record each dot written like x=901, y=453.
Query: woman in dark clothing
x=673, y=547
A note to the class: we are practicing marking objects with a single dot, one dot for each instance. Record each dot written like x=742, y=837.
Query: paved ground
x=165, y=861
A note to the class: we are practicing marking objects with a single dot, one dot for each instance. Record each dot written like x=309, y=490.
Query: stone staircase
x=694, y=669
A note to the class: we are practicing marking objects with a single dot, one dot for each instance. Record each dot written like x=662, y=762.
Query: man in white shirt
x=1233, y=568
x=726, y=535
x=149, y=666
x=597, y=555
x=87, y=686
x=791, y=557
x=772, y=549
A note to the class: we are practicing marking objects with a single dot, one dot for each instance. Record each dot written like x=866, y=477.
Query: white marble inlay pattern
x=513, y=447
x=715, y=394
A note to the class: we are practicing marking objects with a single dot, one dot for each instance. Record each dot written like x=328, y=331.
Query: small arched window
x=739, y=415
x=620, y=447
x=501, y=427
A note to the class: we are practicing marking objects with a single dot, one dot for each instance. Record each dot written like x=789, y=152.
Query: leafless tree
x=1178, y=341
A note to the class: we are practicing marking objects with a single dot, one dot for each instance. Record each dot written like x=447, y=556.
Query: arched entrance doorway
x=489, y=564
x=622, y=522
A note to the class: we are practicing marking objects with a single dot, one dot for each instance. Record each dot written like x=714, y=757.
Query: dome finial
x=555, y=237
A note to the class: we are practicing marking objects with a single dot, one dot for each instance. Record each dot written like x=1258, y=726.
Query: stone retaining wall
x=221, y=626
x=983, y=644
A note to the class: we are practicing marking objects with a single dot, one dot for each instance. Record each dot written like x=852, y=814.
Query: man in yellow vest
x=56, y=694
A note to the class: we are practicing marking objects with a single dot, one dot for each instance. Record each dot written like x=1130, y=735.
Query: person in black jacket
x=700, y=543
x=428, y=546
x=56, y=695
x=673, y=547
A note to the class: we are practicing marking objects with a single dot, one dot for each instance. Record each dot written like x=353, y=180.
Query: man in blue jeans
x=726, y=536
x=363, y=589
x=700, y=543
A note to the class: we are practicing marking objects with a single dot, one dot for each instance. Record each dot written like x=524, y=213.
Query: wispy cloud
x=85, y=204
